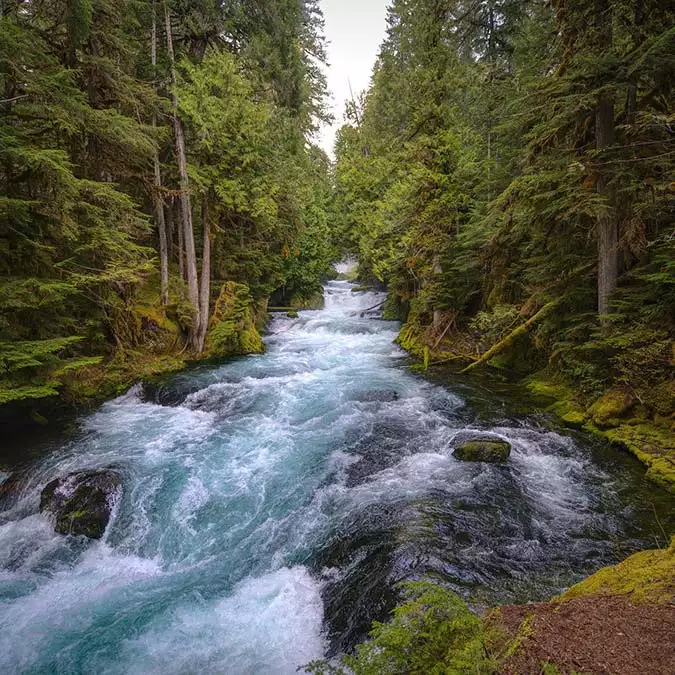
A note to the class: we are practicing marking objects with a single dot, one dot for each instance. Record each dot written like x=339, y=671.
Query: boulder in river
x=482, y=449
x=378, y=397
x=82, y=502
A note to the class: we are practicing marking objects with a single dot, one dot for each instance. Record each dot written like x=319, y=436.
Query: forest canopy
x=511, y=166
x=150, y=152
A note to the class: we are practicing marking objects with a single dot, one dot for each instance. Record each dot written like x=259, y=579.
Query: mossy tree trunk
x=205, y=288
x=608, y=231
x=186, y=209
x=158, y=203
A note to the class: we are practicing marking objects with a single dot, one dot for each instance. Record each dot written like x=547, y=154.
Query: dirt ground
x=592, y=634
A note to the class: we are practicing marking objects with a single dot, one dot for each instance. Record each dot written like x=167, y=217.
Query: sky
x=354, y=31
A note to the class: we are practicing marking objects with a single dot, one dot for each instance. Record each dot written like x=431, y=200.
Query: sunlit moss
x=611, y=407
x=646, y=577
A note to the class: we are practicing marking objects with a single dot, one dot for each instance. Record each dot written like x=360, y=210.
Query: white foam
x=66, y=602
x=270, y=624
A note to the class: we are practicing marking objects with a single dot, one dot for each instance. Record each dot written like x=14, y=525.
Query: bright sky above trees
x=354, y=30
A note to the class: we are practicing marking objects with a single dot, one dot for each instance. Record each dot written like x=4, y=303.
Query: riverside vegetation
x=507, y=176
x=157, y=186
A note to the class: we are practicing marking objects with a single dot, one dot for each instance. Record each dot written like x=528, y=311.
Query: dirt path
x=592, y=634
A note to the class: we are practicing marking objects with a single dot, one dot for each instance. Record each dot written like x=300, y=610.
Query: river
x=272, y=503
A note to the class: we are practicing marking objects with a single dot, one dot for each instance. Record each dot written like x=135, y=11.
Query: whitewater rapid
x=272, y=503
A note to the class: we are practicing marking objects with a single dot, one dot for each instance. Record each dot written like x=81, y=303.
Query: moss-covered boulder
x=82, y=502
x=610, y=408
x=481, y=449
x=233, y=330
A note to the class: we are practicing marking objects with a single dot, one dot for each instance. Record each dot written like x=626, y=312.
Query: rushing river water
x=271, y=504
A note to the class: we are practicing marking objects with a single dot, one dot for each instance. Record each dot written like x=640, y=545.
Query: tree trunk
x=205, y=289
x=438, y=314
x=185, y=207
x=631, y=99
x=157, y=196
x=181, y=247
x=608, y=234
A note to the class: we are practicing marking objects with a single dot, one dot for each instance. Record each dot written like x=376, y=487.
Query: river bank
x=271, y=504
x=617, y=416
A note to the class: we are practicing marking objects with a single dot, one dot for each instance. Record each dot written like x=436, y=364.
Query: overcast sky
x=354, y=30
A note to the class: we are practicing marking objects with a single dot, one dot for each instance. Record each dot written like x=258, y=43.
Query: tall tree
x=185, y=205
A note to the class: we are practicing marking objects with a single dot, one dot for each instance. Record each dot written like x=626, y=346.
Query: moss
x=570, y=412
x=412, y=339
x=314, y=301
x=110, y=379
x=542, y=384
x=566, y=405
x=610, y=407
x=647, y=577
x=483, y=451
x=233, y=330
x=292, y=314
x=651, y=444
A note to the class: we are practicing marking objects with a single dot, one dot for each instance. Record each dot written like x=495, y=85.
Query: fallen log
x=508, y=340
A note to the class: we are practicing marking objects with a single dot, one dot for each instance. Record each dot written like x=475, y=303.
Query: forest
x=158, y=185
x=509, y=176
x=218, y=459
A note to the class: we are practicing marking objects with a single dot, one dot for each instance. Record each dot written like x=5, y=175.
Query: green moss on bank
x=616, y=416
x=233, y=329
x=653, y=445
x=646, y=577
x=114, y=377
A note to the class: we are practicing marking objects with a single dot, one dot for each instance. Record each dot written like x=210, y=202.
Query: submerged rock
x=482, y=449
x=82, y=502
x=378, y=397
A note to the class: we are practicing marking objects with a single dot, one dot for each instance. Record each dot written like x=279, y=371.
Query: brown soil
x=592, y=634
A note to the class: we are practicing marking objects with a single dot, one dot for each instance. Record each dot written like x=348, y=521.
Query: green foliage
x=233, y=326
x=432, y=632
x=468, y=179
x=83, y=116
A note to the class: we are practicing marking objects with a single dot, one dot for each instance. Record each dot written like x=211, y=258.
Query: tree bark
x=438, y=314
x=608, y=234
x=185, y=207
x=205, y=288
x=508, y=340
x=158, y=202
x=631, y=98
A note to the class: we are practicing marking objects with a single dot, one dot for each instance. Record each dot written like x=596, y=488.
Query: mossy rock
x=610, y=407
x=570, y=412
x=314, y=301
x=233, y=328
x=483, y=450
x=82, y=502
x=293, y=314
x=645, y=577
x=653, y=445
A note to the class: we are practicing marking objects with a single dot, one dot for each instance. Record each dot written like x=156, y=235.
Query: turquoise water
x=271, y=504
